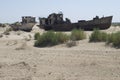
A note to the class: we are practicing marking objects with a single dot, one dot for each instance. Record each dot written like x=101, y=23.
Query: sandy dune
x=19, y=60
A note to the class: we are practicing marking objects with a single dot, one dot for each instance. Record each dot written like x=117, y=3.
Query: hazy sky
x=12, y=10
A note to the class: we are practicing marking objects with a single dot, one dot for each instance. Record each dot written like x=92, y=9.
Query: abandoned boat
x=26, y=25
x=56, y=22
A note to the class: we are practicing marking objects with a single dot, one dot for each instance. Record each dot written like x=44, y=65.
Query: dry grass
x=78, y=34
x=98, y=36
x=71, y=43
x=7, y=31
x=27, y=38
x=18, y=33
x=114, y=39
x=50, y=38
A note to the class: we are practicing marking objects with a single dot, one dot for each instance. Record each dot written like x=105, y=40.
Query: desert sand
x=20, y=60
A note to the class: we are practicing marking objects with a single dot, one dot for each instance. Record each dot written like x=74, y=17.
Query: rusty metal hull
x=102, y=23
x=24, y=27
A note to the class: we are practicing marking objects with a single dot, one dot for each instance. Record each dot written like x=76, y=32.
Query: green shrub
x=51, y=38
x=104, y=36
x=114, y=38
x=78, y=34
x=37, y=35
x=62, y=37
x=98, y=36
x=110, y=38
x=116, y=41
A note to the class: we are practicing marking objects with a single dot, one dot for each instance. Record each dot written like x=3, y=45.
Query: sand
x=20, y=60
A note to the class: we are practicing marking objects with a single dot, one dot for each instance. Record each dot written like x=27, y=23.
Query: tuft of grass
x=61, y=37
x=37, y=35
x=71, y=43
x=7, y=31
x=50, y=38
x=98, y=36
x=110, y=38
x=78, y=34
x=103, y=36
x=28, y=38
x=114, y=39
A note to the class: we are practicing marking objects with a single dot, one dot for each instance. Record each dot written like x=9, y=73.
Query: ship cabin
x=53, y=19
x=28, y=19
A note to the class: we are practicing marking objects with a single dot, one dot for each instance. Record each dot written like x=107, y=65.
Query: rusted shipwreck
x=26, y=25
x=56, y=22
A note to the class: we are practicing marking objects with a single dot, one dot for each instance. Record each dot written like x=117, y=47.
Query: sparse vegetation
x=98, y=36
x=114, y=39
x=61, y=37
x=50, y=38
x=71, y=43
x=18, y=33
x=78, y=34
x=6, y=32
x=37, y=35
x=110, y=38
x=27, y=38
x=116, y=24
